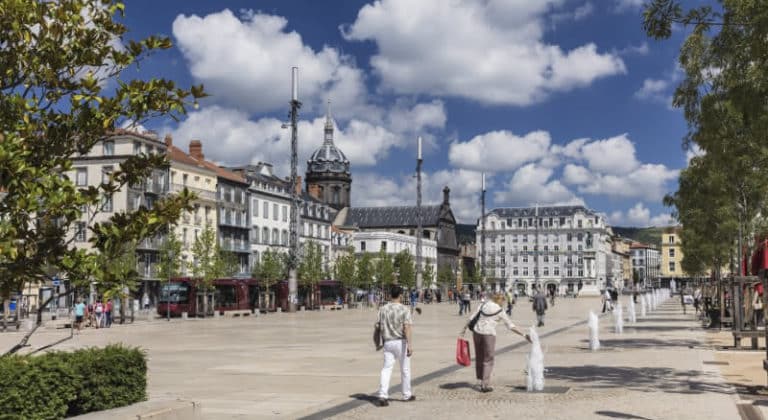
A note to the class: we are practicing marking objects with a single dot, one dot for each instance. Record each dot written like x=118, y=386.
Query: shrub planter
x=60, y=384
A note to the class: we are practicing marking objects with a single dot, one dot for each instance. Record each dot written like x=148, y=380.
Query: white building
x=646, y=264
x=393, y=243
x=94, y=168
x=555, y=247
x=316, y=220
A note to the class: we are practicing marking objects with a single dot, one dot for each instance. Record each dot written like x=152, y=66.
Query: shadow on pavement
x=457, y=385
x=618, y=415
x=643, y=379
x=644, y=343
x=656, y=328
x=365, y=397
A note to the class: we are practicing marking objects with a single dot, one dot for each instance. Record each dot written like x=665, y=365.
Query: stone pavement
x=322, y=364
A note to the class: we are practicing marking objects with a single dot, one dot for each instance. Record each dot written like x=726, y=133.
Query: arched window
x=335, y=195
x=265, y=236
x=285, y=238
x=275, y=237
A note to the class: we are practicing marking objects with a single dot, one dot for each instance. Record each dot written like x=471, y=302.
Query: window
x=525, y=271
x=137, y=148
x=514, y=271
x=671, y=252
x=581, y=272
x=255, y=235
x=579, y=237
x=285, y=238
x=546, y=271
x=265, y=236
x=569, y=237
x=285, y=213
x=556, y=271
x=275, y=212
x=109, y=148
x=525, y=239
x=80, y=234
x=266, y=210
x=671, y=239
x=384, y=245
x=275, y=237
x=579, y=225
x=570, y=272
x=81, y=177
x=362, y=246
x=255, y=207
x=562, y=221
x=672, y=266
x=106, y=171
x=106, y=203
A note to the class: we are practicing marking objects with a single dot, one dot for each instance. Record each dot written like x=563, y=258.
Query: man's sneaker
x=411, y=398
x=383, y=402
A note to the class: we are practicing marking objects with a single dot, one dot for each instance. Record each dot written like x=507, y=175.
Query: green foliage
x=211, y=262
x=346, y=270
x=56, y=60
x=723, y=95
x=365, y=270
x=310, y=270
x=406, y=270
x=649, y=235
x=384, y=269
x=272, y=268
x=445, y=276
x=118, y=272
x=428, y=275
x=170, y=257
x=55, y=385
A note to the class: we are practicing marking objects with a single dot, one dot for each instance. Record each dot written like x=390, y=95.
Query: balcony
x=150, y=243
x=201, y=193
x=235, y=246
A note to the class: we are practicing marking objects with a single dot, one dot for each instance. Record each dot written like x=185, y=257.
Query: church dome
x=328, y=157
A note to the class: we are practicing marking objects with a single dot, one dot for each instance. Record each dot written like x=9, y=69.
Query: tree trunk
x=39, y=321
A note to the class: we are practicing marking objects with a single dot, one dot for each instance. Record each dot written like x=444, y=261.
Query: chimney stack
x=298, y=185
x=196, y=150
x=446, y=195
x=168, y=140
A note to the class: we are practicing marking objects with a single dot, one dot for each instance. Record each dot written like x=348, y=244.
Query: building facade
x=95, y=168
x=556, y=247
x=392, y=243
x=646, y=264
x=316, y=221
x=621, y=265
x=671, y=254
x=195, y=176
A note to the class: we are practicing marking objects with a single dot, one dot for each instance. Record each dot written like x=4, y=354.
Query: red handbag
x=462, y=352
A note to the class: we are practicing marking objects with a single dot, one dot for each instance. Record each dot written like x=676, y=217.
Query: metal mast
x=419, y=227
x=482, y=232
x=295, y=219
x=536, y=245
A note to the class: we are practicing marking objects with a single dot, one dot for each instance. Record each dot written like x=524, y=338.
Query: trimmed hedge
x=60, y=384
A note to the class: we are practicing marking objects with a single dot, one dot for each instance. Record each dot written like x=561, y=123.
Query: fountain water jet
x=643, y=306
x=594, y=326
x=618, y=318
x=632, y=314
x=535, y=363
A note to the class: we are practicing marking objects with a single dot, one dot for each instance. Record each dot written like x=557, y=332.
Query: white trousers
x=395, y=350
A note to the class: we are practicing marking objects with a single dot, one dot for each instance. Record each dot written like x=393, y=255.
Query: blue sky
x=558, y=101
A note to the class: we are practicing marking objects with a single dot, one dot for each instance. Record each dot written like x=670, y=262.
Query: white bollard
x=594, y=326
x=185, y=315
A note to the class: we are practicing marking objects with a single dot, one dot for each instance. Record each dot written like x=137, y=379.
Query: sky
x=559, y=102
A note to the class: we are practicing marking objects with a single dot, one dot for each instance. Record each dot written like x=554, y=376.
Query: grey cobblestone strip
x=351, y=405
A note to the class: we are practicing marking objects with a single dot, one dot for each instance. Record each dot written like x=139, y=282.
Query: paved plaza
x=322, y=364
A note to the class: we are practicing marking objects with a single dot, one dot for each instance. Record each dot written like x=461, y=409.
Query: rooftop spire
x=328, y=125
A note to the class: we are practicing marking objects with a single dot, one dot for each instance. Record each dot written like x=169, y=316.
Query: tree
x=210, y=263
x=445, y=276
x=117, y=275
x=406, y=270
x=365, y=270
x=271, y=270
x=723, y=95
x=428, y=275
x=384, y=269
x=56, y=60
x=170, y=257
x=346, y=269
x=310, y=270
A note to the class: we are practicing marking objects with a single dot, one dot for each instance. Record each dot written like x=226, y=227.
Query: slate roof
x=391, y=217
x=543, y=211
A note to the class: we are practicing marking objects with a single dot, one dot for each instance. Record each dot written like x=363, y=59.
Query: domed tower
x=328, y=177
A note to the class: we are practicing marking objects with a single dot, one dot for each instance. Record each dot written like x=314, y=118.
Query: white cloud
x=614, y=155
x=246, y=62
x=229, y=137
x=371, y=189
x=492, y=51
x=648, y=181
x=693, y=151
x=579, y=13
x=499, y=150
x=624, y=5
x=640, y=216
x=642, y=49
x=655, y=90
x=531, y=184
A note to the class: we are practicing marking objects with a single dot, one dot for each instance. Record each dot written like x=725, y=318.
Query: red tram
x=231, y=294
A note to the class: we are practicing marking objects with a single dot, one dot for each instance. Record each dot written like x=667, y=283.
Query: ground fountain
x=632, y=316
x=535, y=363
x=643, y=306
x=594, y=326
x=618, y=318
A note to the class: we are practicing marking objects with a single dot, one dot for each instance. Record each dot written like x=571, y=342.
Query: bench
x=332, y=307
x=237, y=314
x=754, y=335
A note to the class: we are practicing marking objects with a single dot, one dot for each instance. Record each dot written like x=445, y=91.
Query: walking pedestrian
x=484, y=321
x=757, y=305
x=682, y=299
x=98, y=310
x=464, y=306
x=395, y=323
x=108, y=313
x=79, y=314
x=540, y=306
x=510, y=301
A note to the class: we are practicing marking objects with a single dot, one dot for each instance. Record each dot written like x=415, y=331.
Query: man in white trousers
x=395, y=323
